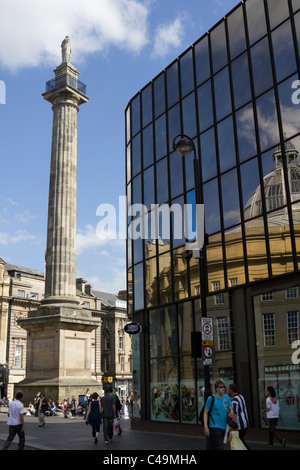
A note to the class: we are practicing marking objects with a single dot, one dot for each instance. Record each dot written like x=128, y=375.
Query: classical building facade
x=233, y=95
x=22, y=289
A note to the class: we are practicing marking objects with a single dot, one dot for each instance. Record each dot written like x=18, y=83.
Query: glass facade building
x=235, y=93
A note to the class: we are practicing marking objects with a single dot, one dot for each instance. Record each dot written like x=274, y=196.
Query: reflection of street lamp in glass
x=184, y=146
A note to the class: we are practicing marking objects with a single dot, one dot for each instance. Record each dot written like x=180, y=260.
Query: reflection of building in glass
x=231, y=93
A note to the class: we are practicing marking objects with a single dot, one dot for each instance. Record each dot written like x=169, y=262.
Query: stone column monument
x=59, y=332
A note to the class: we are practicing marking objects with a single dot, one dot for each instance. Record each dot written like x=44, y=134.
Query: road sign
x=207, y=329
x=208, y=355
x=208, y=350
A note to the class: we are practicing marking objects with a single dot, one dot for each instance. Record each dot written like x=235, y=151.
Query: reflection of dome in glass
x=275, y=196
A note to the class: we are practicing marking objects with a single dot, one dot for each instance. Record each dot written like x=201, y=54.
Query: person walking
x=118, y=407
x=240, y=414
x=217, y=409
x=16, y=422
x=41, y=407
x=108, y=413
x=233, y=437
x=93, y=416
x=73, y=407
x=273, y=410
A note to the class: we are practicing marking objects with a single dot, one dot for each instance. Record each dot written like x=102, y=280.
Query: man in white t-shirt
x=16, y=422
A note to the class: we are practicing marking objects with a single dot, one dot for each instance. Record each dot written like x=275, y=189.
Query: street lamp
x=184, y=146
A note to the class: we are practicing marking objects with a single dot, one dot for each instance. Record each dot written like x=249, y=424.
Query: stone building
x=21, y=291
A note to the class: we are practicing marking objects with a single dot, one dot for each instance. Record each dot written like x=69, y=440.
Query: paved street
x=73, y=434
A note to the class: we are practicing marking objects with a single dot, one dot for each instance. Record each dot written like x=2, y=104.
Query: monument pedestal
x=58, y=352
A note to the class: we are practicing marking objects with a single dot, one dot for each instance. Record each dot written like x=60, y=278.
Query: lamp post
x=184, y=146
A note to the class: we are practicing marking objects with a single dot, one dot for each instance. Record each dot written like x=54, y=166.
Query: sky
x=118, y=46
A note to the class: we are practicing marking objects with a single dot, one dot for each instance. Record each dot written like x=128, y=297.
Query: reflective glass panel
x=218, y=47
x=135, y=115
x=234, y=250
x=296, y=225
x=256, y=249
x=181, y=274
x=236, y=32
x=128, y=125
x=290, y=111
x=162, y=184
x=176, y=174
x=241, y=81
x=174, y=124
x=130, y=290
x=160, y=137
x=138, y=277
x=297, y=27
x=208, y=154
x=215, y=269
x=211, y=206
x=159, y=95
x=187, y=73
x=129, y=250
x=250, y=182
x=189, y=116
x=292, y=153
x=163, y=332
x=190, y=217
x=147, y=105
x=177, y=222
x=136, y=154
x=205, y=106
x=278, y=12
x=150, y=234
x=138, y=243
x=128, y=163
x=261, y=65
x=256, y=20
x=148, y=156
x=189, y=172
x=230, y=198
x=267, y=120
x=280, y=242
x=172, y=84
x=151, y=282
x=202, y=60
x=296, y=4
x=149, y=197
x=226, y=142
x=137, y=190
x=165, y=274
x=222, y=94
x=246, y=132
x=284, y=54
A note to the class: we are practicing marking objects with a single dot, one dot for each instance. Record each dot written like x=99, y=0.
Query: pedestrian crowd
x=95, y=410
x=225, y=416
x=226, y=419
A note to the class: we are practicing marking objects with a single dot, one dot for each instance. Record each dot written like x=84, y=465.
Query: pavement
x=61, y=434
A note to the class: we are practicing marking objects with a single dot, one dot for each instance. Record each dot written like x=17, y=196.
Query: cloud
x=31, y=35
x=20, y=236
x=88, y=239
x=168, y=36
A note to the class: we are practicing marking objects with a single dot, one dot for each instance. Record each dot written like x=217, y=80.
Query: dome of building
x=274, y=187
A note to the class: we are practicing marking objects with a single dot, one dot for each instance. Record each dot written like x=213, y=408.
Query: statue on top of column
x=66, y=50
